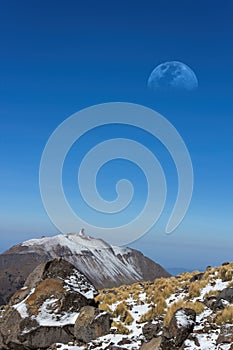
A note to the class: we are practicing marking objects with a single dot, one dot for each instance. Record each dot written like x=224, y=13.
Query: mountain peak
x=103, y=264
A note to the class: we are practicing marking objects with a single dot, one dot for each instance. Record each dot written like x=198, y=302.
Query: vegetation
x=225, y=316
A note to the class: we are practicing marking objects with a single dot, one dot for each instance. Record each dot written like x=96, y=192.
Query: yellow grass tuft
x=225, y=316
x=120, y=328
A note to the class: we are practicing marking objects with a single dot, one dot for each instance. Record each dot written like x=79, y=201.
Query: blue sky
x=58, y=57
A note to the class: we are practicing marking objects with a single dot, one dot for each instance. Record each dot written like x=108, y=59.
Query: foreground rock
x=150, y=330
x=179, y=328
x=44, y=311
x=91, y=324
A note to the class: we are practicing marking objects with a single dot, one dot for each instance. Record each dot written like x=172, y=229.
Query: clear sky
x=58, y=57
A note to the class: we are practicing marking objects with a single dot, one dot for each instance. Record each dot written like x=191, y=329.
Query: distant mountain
x=106, y=266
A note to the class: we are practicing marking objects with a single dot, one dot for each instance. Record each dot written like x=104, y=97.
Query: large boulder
x=225, y=335
x=44, y=311
x=179, y=328
x=91, y=324
x=225, y=297
x=150, y=330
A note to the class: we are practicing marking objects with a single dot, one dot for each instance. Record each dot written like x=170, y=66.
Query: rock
x=226, y=295
x=179, y=328
x=210, y=302
x=150, y=330
x=197, y=277
x=55, y=293
x=153, y=344
x=124, y=341
x=91, y=324
x=225, y=335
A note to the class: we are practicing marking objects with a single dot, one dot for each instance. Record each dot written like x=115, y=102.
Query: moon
x=172, y=75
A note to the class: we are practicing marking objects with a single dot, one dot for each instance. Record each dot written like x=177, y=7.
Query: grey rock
x=225, y=335
x=91, y=324
x=225, y=295
x=150, y=330
x=179, y=328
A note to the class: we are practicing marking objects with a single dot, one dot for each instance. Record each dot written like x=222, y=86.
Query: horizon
x=59, y=58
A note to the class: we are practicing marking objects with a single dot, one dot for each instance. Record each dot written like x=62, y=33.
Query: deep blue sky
x=58, y=57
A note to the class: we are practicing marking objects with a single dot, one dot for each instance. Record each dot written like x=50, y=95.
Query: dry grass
x=226, y=273
x=148, y=316
x=120, y=328
x=122, y=312
x=211, y=293
x=225, y=316
x=45, y=289
x=105, y=307
x=197, y=306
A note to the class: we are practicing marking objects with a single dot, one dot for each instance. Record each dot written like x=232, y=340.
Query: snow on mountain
x=104, y=265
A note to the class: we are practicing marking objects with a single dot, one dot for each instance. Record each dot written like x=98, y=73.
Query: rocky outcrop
x=105, y=265
x=179, y=328
x=45, y=310
x=91, y=324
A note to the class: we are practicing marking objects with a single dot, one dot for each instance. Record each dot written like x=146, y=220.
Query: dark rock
x=91, y=324
x=210, y=302
x=179, y=328
x=197, y=277
x=226, y=335
x=225, y=295
x=124, y=341
x=150, y=330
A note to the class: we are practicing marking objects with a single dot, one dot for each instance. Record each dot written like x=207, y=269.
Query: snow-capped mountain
x=105, y=265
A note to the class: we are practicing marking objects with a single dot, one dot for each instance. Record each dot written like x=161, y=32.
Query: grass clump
x=226, y=273
x=148, y=316
x=120, y=328
x=225, y=316
x=122, y=312
x=104, y=307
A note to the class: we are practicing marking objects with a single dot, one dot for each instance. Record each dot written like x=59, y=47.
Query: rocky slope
x=186, y=312
x=103, y=264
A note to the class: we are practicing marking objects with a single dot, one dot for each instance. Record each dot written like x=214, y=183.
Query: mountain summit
x=104, y=265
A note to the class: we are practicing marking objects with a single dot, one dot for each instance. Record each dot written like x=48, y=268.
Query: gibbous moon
x=172, y=75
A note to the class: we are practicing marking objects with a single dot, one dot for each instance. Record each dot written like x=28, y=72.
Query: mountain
x=104, y=265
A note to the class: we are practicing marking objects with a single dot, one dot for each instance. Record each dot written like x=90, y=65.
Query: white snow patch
x=47, y=316
x=182, y=319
